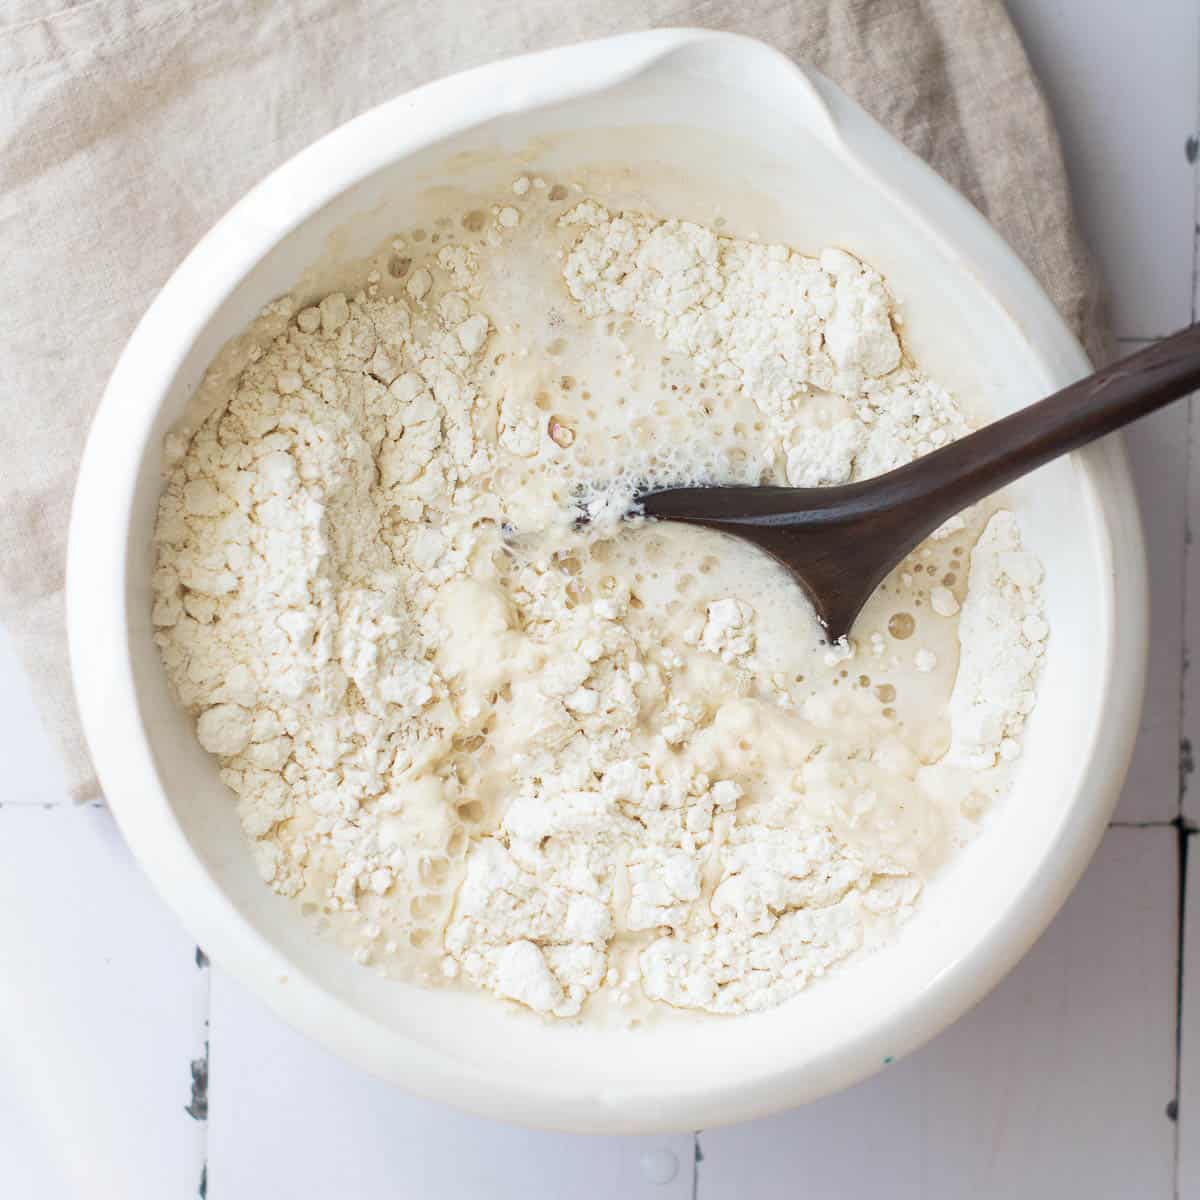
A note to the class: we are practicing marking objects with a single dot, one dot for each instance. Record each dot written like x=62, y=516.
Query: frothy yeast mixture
x=591, y=770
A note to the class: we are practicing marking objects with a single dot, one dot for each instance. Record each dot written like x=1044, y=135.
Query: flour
x=783, y=325
x=1003, y=638
x=612, y=764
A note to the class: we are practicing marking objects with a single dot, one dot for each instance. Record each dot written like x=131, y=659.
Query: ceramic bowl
x=692, y=122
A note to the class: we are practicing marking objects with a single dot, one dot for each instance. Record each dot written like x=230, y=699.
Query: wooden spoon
x=839, y=542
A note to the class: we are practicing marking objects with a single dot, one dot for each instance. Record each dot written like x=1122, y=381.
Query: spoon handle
x=952, y=478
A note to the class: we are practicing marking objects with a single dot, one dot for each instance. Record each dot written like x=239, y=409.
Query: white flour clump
x=559, y=763
x=785, y=327
x=297, y=567
x=1003, y=636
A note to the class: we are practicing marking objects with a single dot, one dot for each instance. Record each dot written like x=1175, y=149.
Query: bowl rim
x=98, y=552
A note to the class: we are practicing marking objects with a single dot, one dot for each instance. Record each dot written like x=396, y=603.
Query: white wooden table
x=159, y=1077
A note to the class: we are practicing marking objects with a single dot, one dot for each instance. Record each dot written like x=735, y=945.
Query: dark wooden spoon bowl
x=840, y=542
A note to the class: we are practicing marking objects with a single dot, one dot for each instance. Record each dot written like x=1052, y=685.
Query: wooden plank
x=97, y=1003
x=1189, y=1067
x=1190, y=723
x=289, y=1119
x=1122, y=81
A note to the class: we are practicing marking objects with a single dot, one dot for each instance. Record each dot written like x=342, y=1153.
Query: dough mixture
x=588, y=769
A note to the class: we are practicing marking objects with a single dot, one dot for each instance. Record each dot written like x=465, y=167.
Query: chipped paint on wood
x=198, y=1108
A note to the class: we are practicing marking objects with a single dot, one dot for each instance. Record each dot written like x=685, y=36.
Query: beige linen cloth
x=130, y=126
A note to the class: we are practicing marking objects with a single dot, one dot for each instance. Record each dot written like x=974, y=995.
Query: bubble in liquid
x=561, y=434
x=901, y=625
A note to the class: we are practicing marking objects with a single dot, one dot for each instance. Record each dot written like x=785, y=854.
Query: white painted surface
x=1123, y=81
x=1056, y=1086
x=330, y=1130
x=1189, y=1081
x=97, y=1017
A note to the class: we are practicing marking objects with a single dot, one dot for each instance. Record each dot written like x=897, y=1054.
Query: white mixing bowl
x=701, y=119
